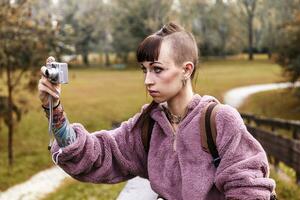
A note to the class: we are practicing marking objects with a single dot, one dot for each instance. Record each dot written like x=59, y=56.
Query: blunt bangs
x=149, y=49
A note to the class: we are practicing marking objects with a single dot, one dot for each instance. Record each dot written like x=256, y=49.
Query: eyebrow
x=155, y=62
x=151, y=63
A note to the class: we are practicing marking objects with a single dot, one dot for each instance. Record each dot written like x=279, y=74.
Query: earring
x=184, y=81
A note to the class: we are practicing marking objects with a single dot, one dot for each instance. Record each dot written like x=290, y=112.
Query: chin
x=158, y=100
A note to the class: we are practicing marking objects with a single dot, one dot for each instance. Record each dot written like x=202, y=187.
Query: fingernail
x=50, y=59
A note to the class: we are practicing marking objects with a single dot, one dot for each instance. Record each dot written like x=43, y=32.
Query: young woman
x=175, y=164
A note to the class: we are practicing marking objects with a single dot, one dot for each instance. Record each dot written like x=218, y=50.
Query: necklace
x=174, y=119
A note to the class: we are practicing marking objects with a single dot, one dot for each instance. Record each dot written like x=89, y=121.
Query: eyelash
x=144, y=70
x=155, y=69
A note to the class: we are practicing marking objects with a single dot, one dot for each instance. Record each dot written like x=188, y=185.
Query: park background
x=242, y=42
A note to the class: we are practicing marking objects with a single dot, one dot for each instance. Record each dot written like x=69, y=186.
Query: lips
x=153, y=92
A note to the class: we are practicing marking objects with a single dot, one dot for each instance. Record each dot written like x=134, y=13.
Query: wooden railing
x=280, y=148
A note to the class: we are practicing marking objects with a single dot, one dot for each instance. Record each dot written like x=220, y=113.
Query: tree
x=134, y=20
x=288, y=52
x=84, y=25
x=268, y=32
x=249, y=7
x=273, y=14
x=23, y=44
x=213, y=23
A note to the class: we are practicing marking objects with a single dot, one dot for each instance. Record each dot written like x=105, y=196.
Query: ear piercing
x=184, y=81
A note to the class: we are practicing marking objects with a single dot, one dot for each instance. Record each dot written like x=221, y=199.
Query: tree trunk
x=269, y=54
x=85, y=58
x=125, y=58
x=10, y=116
x=250, y=39
x=107, y=61
x=223, y=45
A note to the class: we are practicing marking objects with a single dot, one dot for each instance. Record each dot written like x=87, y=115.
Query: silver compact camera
x=57, y=72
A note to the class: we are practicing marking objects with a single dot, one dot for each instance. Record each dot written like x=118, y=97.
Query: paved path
x=37, y=186
x=137, y=188
x=48, y=180
x=236, y=96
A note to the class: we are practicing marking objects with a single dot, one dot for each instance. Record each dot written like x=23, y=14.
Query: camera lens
x=51, y=73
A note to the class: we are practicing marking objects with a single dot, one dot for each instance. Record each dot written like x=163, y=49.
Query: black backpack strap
x=208, y=131
x=147, y=133
x=150, y=128
x=210, y=141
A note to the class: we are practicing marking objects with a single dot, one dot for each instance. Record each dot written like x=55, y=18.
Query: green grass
x=97, y=97
x=286, y=190
x=271, y=104
x=72, y=189
x=217, y=77
x=275, y=103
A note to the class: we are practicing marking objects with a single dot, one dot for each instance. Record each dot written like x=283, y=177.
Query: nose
x=148, y=79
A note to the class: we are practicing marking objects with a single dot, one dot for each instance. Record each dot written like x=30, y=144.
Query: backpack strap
x=146, y=134
x=208, y=131
x=208, y=138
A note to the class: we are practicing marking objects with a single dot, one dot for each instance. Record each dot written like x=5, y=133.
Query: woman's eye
x=157, y=69
x=144, y=70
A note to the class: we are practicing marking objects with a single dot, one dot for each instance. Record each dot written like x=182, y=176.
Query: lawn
x=96, y=98
x=259, y=104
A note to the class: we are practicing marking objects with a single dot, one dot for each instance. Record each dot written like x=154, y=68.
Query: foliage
x=220, y=38
x=118, y=26
x=25, y=42
x=134, y=21
x=26, y=39
x=83, y=25
x=288, y=49
x=216, y=26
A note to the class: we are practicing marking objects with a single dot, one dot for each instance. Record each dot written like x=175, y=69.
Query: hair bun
x=169, y=28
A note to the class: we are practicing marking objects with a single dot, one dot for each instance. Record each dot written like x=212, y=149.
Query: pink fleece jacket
x=176, y=166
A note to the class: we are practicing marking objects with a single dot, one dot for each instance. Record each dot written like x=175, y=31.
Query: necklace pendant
x=176, y=119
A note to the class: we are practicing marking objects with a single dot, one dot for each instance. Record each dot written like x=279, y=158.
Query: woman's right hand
x=46, y=88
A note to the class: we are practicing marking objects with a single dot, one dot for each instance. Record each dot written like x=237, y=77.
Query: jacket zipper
x=174, y=143
x=174, y=133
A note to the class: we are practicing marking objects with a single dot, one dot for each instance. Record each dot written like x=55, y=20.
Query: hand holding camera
x=53, y=74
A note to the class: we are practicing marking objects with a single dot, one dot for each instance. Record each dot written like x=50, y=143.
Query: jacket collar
x=197, y=101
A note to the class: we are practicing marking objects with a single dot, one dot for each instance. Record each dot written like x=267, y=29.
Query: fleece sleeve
x=106, y=156
x=243, y=172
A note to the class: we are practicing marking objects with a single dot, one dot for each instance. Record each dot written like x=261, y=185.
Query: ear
x=188, y=68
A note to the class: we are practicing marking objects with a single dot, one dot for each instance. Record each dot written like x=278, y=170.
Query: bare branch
x=18, y=78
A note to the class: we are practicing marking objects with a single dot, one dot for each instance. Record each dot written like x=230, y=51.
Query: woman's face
x=163, y=78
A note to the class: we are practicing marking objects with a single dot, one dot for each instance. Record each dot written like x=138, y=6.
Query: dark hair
x=184, y=48
x=183, y=43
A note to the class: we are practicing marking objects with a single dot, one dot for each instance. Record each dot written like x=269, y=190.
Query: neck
x=177, y=105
